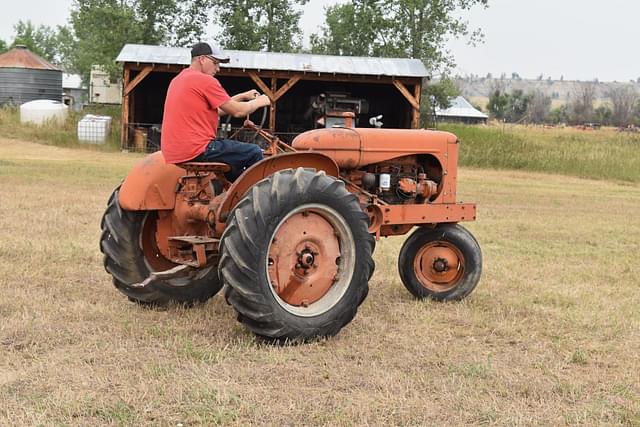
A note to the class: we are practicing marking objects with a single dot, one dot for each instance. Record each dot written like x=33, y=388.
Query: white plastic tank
x=42, y=111
x=94, y=129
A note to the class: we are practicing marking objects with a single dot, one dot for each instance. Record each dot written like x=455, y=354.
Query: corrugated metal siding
x=20, y=85
x=396, y=67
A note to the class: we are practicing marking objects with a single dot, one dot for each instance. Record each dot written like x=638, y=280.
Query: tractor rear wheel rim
x=439, y=266
x=153, y=257
x=310, y=260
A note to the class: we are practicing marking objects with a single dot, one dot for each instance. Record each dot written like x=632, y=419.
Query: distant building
x=74, y=92
x=461, y=111
x=24, y=76
x=102, y=88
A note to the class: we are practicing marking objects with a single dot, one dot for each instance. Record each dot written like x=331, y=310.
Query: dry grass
x=550, y=337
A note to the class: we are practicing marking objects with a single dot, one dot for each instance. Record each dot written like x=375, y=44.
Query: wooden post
x=263, y=87
x=272, y=112
x=415, y=120
x=124, y=130
x=288, y=85
x=141, y=75
x=415, y=114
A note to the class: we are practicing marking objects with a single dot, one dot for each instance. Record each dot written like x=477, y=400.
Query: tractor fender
x=268, y=166
x=150, y=185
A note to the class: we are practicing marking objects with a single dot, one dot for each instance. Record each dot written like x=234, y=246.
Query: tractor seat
x=195, y=167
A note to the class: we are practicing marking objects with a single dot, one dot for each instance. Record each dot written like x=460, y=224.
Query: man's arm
x=237, y=108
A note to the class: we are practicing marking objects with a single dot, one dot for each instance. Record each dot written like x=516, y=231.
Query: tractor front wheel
x=442, y=263
x=131, y=254
x=296, y=256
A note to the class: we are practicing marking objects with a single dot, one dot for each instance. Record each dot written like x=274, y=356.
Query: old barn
x=299, y=85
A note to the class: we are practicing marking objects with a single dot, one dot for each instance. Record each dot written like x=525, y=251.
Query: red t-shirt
x=190, y=115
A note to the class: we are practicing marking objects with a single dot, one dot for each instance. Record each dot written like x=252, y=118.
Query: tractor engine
x=397, y=182
x=399, y=166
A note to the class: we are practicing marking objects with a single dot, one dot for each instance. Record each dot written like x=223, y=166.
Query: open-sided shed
x=371, y=86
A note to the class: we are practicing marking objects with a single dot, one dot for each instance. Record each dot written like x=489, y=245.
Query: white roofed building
x=461, y=111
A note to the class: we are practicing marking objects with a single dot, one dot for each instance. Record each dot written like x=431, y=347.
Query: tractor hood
x=353, y=148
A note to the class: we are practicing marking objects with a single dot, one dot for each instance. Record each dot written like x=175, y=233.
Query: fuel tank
x=352, y=148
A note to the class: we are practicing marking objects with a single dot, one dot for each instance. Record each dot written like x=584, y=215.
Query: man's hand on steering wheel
x=249, y=95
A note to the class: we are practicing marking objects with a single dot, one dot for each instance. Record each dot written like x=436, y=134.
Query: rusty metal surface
x=268, y=167
x=354, y=148
x=23, y=58
x=302, y=263
x=301, y=62
x=150, y=185
x=389, y=215
x=439, y=266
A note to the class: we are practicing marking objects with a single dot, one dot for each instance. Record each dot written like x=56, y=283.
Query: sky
x=575, y=39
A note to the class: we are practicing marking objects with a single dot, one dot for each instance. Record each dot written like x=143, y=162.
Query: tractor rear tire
x=442, y=263
x=122, y=242
x=296, y=256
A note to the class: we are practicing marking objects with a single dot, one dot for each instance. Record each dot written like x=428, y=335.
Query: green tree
x=3, y=46
x=403, y=28
x=269, y=25
x=421, y=28
x=623, y=99
x=154, y=19
x=539, y=106
x=437, y=95
x=41, y=40
x=100, y=28
x=582, y=103
x=190, y=21
x=442, y=92
x=558, y=115
x=517, y=106
x=604, y=115
x=498, y=101
x=343, y=21
x=239, y=26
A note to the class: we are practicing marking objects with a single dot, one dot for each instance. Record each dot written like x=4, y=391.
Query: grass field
x=604, y=154
x=550, y=337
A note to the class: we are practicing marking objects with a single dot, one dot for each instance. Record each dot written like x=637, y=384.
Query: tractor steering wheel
x=258, y=127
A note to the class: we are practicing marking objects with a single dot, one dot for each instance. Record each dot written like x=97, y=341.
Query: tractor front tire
x=442, y=263
x=296, y=256
x=130, y=255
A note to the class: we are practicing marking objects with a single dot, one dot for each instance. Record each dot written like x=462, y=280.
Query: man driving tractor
x=195, y=101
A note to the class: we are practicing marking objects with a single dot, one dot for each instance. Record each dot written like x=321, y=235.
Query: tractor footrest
x=192, y=250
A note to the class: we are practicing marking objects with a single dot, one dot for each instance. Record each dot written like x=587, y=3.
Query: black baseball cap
x=203, y=48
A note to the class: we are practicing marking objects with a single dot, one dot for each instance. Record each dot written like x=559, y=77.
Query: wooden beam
x=288, y=85
x=415, y=119
x=124, y=134
x=263, y=87
x=272, y=112
x=403, y=90
x=133, y=83
x=326, y=77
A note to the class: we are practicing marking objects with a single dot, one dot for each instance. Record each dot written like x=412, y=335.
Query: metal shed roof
x=460, y=107
x=396, y=67
x=21, y=57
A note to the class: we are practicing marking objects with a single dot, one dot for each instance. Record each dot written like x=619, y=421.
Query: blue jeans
x=238, y=155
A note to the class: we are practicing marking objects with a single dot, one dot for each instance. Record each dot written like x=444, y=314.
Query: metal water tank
x=24, y=76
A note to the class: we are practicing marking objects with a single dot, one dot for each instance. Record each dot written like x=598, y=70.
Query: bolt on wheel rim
x=439, y=266
x=310, y=260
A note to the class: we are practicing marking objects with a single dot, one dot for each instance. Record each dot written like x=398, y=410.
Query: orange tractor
x=292, y=238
